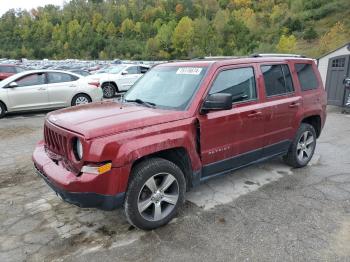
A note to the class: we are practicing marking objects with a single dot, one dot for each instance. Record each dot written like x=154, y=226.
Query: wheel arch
x=315, y=121
x=80, y=93
x=177, y=155
x=3, y=103
x=112, y=83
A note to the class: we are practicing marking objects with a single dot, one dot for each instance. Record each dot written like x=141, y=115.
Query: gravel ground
x=264, y=213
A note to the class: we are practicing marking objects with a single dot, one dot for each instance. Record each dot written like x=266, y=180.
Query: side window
x=31, y=80
x=133, y=70
x=143, y=69
x=278, y=80
x=306, y=76
x=340, y=62
x=60, y=78
x=8, y=69
x=19, y=69
x=239, y=82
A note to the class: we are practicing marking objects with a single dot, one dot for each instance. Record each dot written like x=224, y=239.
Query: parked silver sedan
x=46, y=89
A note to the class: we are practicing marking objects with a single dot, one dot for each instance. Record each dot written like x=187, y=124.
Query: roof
x=347, y=44
x=18, y=75
x=11, y=65
x=47, y=71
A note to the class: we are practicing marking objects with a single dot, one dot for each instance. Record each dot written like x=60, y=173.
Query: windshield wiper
x=140, y=101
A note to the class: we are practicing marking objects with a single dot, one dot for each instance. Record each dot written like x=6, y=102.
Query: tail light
x=95, y=83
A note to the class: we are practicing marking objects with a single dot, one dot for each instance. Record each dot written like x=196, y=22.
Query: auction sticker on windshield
x=189, y=71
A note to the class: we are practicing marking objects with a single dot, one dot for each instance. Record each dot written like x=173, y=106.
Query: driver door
x=231, y=138
x=30, y=93
x=133, y=73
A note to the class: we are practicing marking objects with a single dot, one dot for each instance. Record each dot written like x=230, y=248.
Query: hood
x=101, y=76
x=106, y=118
x=97, y=76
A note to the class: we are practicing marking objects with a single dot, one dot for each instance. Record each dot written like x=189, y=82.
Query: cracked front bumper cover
x=86, y=199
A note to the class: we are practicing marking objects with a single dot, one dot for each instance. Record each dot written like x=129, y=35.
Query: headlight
x=78, y=149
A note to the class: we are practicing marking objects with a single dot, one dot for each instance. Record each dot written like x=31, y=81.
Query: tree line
x=168, y=29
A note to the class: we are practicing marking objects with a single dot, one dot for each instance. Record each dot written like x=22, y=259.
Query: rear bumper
x=104, y=191
x=96, y=94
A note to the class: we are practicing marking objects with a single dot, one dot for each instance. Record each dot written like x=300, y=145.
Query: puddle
x=225, y=189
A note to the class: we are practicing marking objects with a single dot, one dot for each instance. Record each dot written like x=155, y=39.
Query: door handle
x=254, y=114
x=41, y=88
x=294, y=104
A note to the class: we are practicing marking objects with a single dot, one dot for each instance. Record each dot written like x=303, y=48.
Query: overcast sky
x=25, y=4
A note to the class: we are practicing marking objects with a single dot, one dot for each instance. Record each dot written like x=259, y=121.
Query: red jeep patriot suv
x=180, y=124
x=9, y=70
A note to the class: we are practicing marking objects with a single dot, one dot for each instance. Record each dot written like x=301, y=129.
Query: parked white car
x=46, y=89
x=119, y=78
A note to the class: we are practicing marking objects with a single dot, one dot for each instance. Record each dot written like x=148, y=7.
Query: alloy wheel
x=305, y=146
x=108, y=91
x=81, y=100
x=158, y=197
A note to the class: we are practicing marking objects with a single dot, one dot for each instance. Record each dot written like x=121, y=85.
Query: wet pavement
x=268, y=212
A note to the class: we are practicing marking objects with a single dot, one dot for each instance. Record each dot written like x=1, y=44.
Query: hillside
x=167, y=29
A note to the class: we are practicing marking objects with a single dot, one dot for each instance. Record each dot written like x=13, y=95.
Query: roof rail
x=277, y=55
x=214, y=57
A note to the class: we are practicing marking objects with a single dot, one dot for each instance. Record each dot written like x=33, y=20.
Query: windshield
x=168, y=87
x=115, y=69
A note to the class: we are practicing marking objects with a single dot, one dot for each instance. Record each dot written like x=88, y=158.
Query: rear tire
x=81, y=99
x=2, y=110
x=109, y=90
x=303, y=147
x=156, y=191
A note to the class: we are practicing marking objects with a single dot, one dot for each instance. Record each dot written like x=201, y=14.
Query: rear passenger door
x=61, y=87
x=232, y=138
x=282, y=104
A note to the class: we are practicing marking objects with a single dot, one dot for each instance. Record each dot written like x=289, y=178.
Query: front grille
x=55, y=142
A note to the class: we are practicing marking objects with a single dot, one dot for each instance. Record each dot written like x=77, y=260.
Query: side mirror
x=124, y=73
x=346, y=82
x=12, y=85
x=219, y=101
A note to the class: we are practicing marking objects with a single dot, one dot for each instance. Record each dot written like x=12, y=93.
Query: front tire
x=155, y=193
x=81, y=99
x=303, y=147
x=2, y=110
x=109, y=90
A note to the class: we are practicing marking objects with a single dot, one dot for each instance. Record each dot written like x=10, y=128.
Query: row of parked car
x=23, y=90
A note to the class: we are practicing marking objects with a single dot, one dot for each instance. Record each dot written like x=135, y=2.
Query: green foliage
x=293, y=24
x=310, y=34
x=287, y=44
x=183, y=36
x=168, y=29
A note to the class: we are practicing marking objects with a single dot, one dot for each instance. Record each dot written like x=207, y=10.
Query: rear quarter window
x=55, y=77
x=307, y=77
